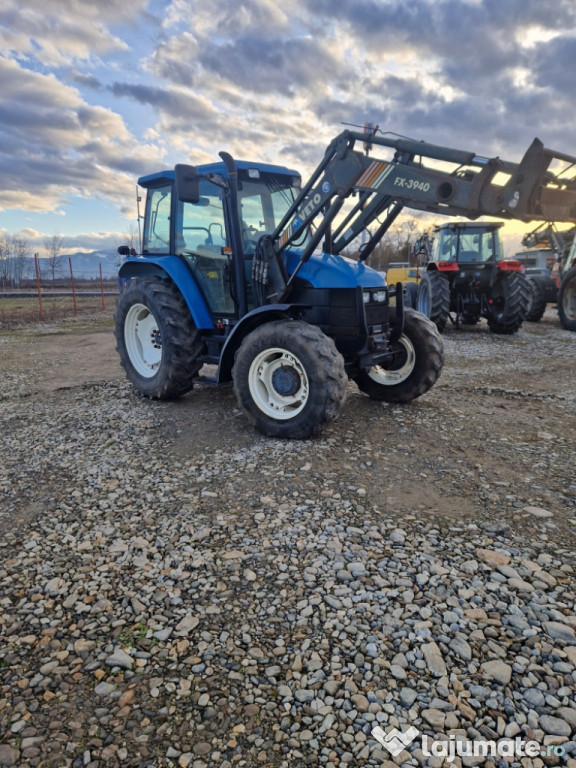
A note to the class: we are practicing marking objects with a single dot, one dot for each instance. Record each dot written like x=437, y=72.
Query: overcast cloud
x=96, y=94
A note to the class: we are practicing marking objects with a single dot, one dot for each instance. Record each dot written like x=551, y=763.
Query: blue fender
x=177, y=270
x=249, y=322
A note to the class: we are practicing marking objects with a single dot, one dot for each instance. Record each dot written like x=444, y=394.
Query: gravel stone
x=178, y=590
x=555, y=726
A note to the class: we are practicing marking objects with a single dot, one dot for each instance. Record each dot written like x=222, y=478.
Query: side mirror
x=187, y=183
x=124, y=250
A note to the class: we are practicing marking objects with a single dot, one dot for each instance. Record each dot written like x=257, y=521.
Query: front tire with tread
x=415, y=369
x=289, y=379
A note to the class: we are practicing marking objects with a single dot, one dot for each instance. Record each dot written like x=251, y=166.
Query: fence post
x=73, y=288
x=101, y=286
x=38, y=286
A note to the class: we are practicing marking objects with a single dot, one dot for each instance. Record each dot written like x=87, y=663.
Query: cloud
x=55, y=145
x=45, y=30
x=267, y=81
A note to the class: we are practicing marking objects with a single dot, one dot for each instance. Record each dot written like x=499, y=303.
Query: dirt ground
x=493, y=440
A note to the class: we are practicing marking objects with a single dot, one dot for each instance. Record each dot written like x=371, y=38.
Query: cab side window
x=200, y=238
x=157, y=232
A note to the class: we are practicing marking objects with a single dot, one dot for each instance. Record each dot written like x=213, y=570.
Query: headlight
x=379, y=295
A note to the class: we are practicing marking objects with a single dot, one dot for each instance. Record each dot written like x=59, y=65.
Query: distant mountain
x=85, y=266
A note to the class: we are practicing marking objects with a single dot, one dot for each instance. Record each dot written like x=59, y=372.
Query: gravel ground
x=177, y=590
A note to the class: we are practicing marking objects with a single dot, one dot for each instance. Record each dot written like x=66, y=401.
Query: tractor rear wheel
x=415, y=367
x=508, y=303
x=289, y=379
x=536, y=302
x=158, y=343
x=433, y=298
x=567, y=300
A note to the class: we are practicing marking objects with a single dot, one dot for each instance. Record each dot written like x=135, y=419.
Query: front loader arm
x=549, y=236
x=425, y=177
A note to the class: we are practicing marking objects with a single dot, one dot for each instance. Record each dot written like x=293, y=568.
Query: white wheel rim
x=278, y=383
x=142, y=339
x=390, y=377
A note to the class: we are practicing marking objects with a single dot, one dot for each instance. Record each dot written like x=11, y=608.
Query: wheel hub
x=278, y=383
x=286, y=381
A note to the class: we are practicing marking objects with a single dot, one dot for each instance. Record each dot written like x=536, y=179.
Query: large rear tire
x=289, y=379
x=158, y=343
x=508, y=303
x=414, y=369
x=567, y=300
x=433, y=299
x=536, y=302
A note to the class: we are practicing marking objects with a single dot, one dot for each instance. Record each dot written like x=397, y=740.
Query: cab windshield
x=263, y=203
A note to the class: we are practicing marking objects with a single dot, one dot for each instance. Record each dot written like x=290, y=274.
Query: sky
x=96, y=94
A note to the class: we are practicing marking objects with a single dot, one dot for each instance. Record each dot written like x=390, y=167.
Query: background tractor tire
x=567, y=300
x=289, y=379
x=434, y=298
x=536, y=303
x=411, y=295
x=158, y=343
x=416, y=367
x=508, y=303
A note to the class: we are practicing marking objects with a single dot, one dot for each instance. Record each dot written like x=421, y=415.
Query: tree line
x=17, y=266
x=397, y=244
x=16, y=254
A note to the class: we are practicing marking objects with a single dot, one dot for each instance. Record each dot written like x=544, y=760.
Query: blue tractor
x=242, y=268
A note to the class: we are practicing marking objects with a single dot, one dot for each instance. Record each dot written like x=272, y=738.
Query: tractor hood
x=323, y=270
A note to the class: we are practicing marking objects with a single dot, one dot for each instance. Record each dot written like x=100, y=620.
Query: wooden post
x=38, y=286
x=101, y=286
x=73, y=288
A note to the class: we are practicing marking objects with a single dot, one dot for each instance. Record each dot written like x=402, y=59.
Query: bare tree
x=396, y=244
x=132, y=238
x=21, y=254
x=15, y=253
x=54, y=246
x=5, y=253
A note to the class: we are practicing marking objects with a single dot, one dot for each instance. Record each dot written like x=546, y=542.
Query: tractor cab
x=466, y=243
x=217, y=243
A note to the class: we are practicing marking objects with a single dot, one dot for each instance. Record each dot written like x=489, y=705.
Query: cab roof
x=469, y=225
x=167, y=176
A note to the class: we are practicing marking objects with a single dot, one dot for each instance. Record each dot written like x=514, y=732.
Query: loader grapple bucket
x=535, y=192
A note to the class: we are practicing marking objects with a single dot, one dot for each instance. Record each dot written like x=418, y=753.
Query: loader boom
x=426, y=177
x=549, y=236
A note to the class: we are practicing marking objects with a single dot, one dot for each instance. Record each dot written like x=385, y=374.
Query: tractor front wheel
x=433, y=298
x=567, y=300
x=289, y=379
x=158, y=343
x=415, y=367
